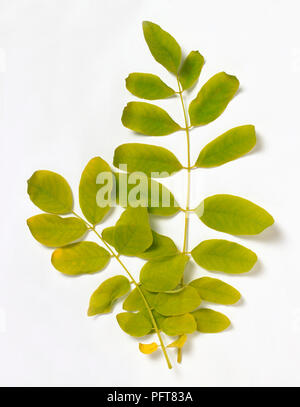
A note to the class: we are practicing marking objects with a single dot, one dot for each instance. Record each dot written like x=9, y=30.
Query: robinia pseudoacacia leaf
x=107, y=293
x=210, y=321
x=80, y=258
x=93, y=208
x=148, y=119
x=234, y=215
x=148, y=86
x=180, y=302
x=191, y=69
x=215, y=290
x=179, y=342
x=133, y=234
x=50, y=192
x=163, y=46
x=134, y=324
x=163, y=274
x=54, y=231
x=213, y=98
x=227, y=147
x=135, y=302
x=223, y=255
x=156, y=162
x=148, y=348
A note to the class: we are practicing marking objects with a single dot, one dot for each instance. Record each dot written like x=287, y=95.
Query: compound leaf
x=148, y=86
x=134, y=324
x=179, y=342
x=215, y=290
x=154, y=161
x=54, y=231
x=179, y=302
x=135, y=302
x=179, y=325
x=151, y=194
x=210, y=321
x=93, y=205
x=107, y=293
x=227, y=147
x=80, y=258
x=148, y=348
x=191, y=69
x=164, y=274
x=234, y=215
x=148, y=119
x=133, y=234
x=213, y=98
x=223, y=255
x=164, y=48
x=50, y=192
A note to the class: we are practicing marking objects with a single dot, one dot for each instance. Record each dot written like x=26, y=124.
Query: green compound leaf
x=179, y=325
x=155, y=196
x=234, y=215
x=191, y=69
x=93, y=205
x=213, y=98
x=133, y=234
x=164, y=274
x=134, y=324
x=135, y=302
x=148, y=86
x=227, y=147
x=209, y=321
x=50, y=192
x=154, y=161
x=223, y=255
x=179, y=302
x=162, y=246
x=148, y=119
x=80, y=258
x=214, y=290
x=164, y=48
x=54, y=231
x=107, y=293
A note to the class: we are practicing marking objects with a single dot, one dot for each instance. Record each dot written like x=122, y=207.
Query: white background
x=63, y=65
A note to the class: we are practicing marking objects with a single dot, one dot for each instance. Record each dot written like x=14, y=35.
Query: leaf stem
x=187, y=208
x=116, y=256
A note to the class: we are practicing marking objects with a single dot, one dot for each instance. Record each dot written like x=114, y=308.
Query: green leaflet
x=162, y=246
x=135, y=302
x=133, y=234
x=148, y=119
x=214, y=290
x=134, y=324
x=159, y=200
x=107, y=293
x=156, y=162
x=80, y=258
x=148, y=86
x=209, y=321
x=179, y=325
x=50, y=192
x=234, y=215
x=213, y=98
x=54, y=231
x=223, y=255
x=163, y=46
x=179, y=302
x=164, y=274
x=93, y=205
x=191, y=69
x=227, y=147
